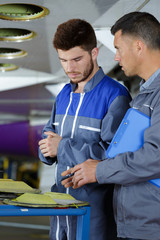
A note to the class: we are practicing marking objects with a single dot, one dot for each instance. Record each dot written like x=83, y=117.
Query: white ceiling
x=41, y=66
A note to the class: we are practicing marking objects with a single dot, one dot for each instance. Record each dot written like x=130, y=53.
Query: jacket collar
x=92, y=82
x=152, y=83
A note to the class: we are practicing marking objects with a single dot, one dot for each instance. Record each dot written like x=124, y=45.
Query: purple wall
x=20, y=139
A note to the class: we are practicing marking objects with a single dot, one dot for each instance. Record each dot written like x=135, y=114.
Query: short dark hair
x=73, y=33
x=140, y=24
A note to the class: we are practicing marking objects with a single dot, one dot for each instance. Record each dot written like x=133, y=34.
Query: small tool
x=67, y=176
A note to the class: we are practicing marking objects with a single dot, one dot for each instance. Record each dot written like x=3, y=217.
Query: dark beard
x=87, y=73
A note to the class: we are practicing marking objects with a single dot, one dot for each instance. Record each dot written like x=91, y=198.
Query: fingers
x=67, y=182
x=43, y=146
x=78, y=178
x=44, y=150
x=41, y=142
x=84, y=173
x=49, y=145
x=50, y=133
x=74, y=180
x=78, y=184
x=69, y=171
x=46, y=147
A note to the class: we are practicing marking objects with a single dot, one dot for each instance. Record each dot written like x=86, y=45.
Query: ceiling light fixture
x=10, y=53
x=22, y=11
x=16, y=34
x=7, y=67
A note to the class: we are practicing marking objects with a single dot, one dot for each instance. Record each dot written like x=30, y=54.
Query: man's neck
x=81, y=85
x=152, y=64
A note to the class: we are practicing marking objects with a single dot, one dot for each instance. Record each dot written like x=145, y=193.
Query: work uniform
x=86, y=122
x=136, y=200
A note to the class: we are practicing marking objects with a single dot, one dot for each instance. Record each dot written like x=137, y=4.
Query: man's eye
x=77, y=59
x=62, y=60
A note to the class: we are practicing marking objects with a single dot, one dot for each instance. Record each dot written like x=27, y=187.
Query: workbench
x=82, y=213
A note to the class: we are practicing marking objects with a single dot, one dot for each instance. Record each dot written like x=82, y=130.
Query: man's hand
x=84, y=173
x=49, y=145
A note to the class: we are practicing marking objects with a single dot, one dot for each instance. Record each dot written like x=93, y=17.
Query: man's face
x=126, y=53
x=77, y=64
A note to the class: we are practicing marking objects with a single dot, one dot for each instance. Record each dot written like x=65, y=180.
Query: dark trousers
x=128, y=239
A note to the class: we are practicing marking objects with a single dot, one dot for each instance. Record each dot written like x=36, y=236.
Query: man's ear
x=94, y=53
x=140, y=47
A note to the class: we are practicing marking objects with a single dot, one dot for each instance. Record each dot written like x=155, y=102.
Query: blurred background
x=31, y=77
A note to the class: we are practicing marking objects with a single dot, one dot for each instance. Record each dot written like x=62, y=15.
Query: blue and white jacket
x=86, y=122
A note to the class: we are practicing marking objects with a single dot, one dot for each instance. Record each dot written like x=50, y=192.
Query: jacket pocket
x=93, y=129
x=88, y=133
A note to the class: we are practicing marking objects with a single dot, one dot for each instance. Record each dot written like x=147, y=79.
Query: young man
x=84, y=119
x=136, y=200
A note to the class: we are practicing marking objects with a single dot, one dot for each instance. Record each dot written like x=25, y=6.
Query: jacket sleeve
x=135, y=167
x=48, y=127
x=75, y=149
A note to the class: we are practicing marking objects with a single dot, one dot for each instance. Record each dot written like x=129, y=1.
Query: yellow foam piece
x=15, y=186
x=33, y=198
x=57, y=195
